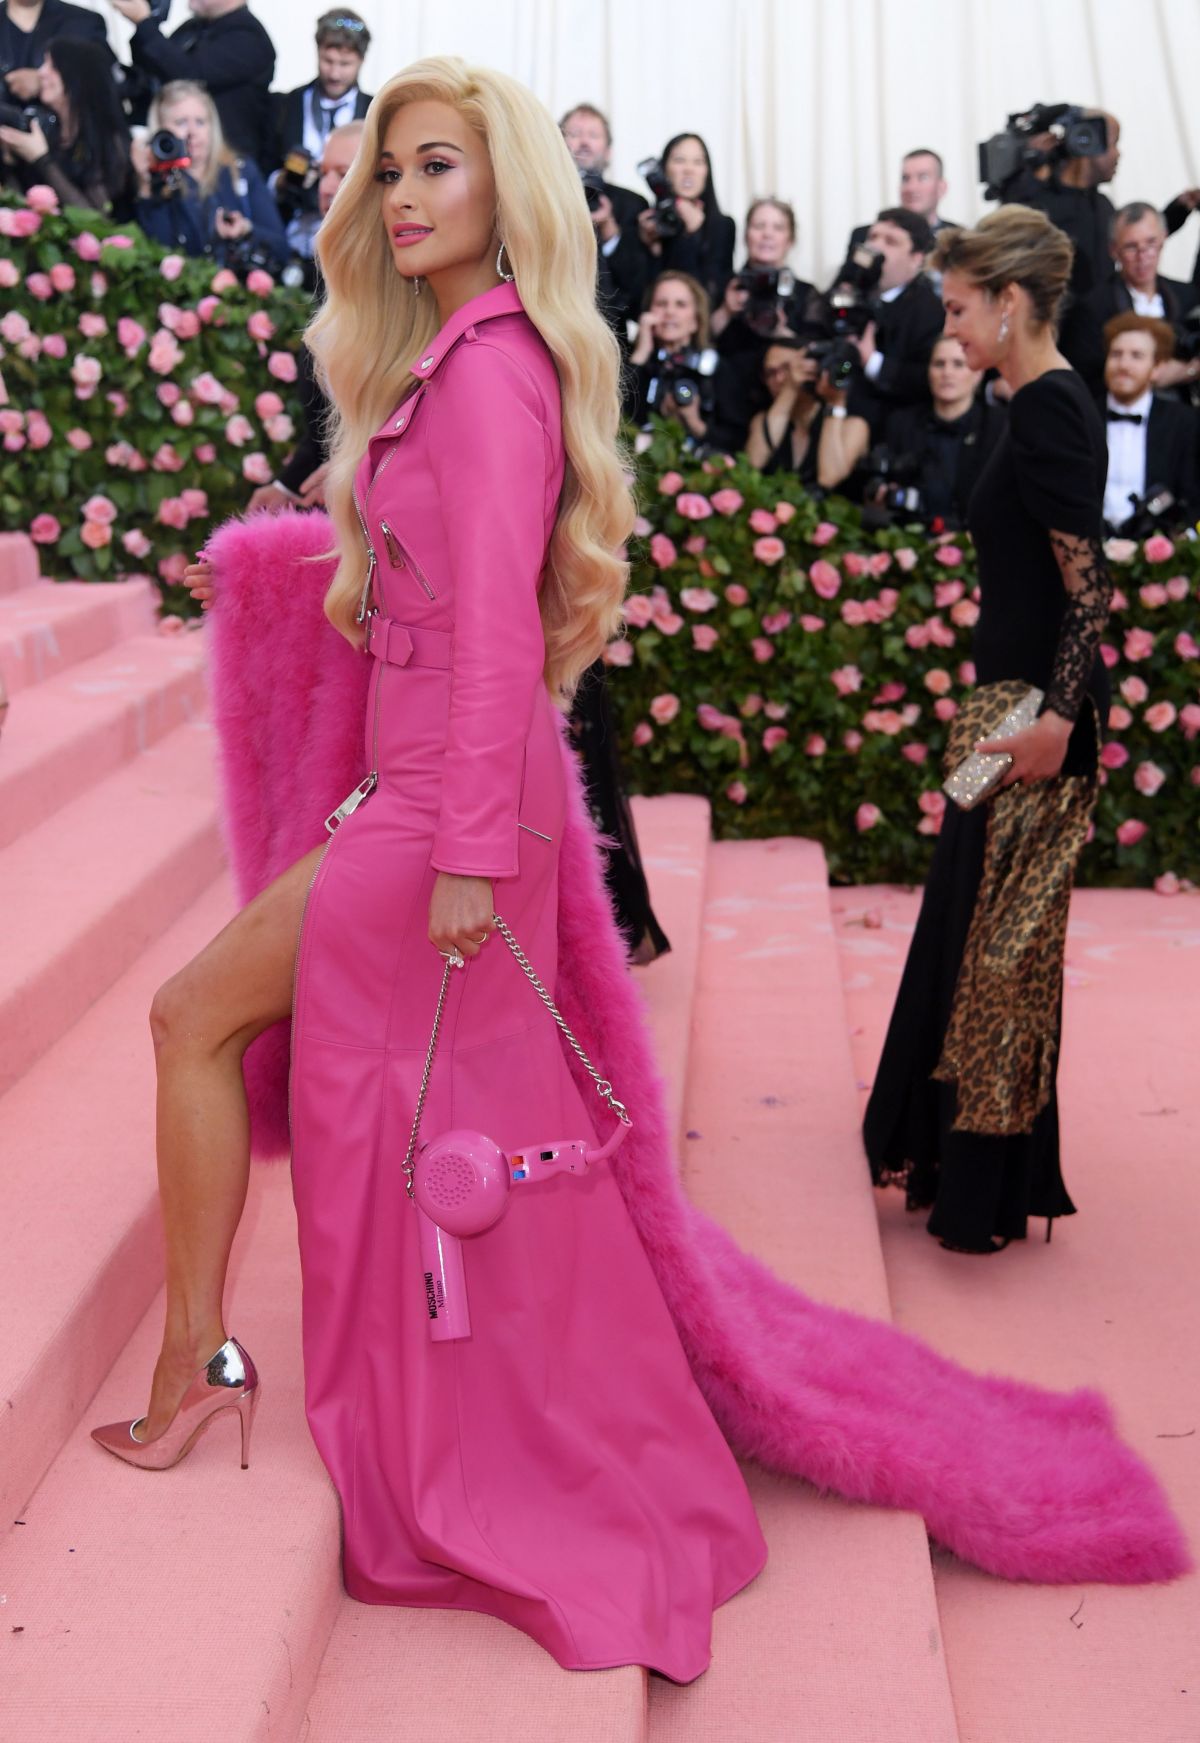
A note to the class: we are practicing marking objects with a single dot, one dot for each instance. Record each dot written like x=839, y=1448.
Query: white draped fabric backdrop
x=814, y=100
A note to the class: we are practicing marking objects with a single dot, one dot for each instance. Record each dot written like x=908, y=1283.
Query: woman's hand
x=137, y=11
x=232, y=225
x=29, y=146
x=460, y=913
x=267, y=500
x=648, y=231
x=691, y=211
x=200, y=582
x=690, y=416
x=139, y=157
x=647, y=335
x=312, y=491
x=23, y=83
x=1037, y=753
x=735, y=299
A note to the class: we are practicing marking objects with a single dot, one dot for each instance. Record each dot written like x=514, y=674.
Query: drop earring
x=500, y=272
x=1002, y=335
x=416, y=284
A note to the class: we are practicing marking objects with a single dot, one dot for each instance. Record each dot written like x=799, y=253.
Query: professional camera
x=852, y=305
x=169, y=158
x=892, y=486
x=683, y=377
x=838, y=358
x=1187, y=343
x=593, y=187
x=1157, y=510
x=667, y=222
x=1005, y=155
x=244, y=255
x=12, y=116
x=296, y=184
x=768, y=288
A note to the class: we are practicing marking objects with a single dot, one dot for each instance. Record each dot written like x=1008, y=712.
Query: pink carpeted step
x=18, y=562
x=84, y=893
x=80, y=1237
x=191, y=1605
x=69, y=732
x=839, y=1637
x=51, y=625
x=1111, y=1303
x=673, y=836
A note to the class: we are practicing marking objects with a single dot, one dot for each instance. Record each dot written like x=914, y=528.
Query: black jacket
x=1086, y=216
x=905, y=333
x=1172, y=453
x=234, y=57
x=25, y=48
x=913, y=431
x=1175, y=217
x=289, y=112
x=618, y=282
x=1112, y=298
x=312, y=445
x=707, y=254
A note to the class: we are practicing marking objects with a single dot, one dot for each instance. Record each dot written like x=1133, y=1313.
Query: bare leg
x=202, y=1021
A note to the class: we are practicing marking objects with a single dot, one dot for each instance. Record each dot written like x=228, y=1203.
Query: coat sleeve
x=488, y=445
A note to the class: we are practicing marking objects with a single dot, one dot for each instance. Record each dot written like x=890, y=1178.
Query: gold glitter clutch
x=991, y=711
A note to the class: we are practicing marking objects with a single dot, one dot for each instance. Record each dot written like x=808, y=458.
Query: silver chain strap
x=603, y=1087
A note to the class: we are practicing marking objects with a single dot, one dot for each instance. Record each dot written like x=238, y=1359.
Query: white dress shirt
x=1126, y=458
x=1146, y=303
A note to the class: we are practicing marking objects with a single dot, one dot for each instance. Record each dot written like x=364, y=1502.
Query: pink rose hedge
x=802, y=673
x=125, y=365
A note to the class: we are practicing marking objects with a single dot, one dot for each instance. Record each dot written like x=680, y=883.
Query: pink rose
x=668, y=622
x=171, y=267
x=14, y=327
x=762, y=649
x=773, y=737
x=280, y=429
x=763, y=521
x=1186, y=646
x=1157, y=549
x=268, y=405
x=1135, y=691
x=916, y=635
x=99, y=286
x=965, y=614
x=38, y=430
x=884, y=720
x=223, y=281
x=1113, y=755
x=618, y=653
x=31, y=348
x=854, y=612
x=852, y=740
x=93, y=326
x=698, y=598
x=172, y=512
x=96, y=534
x=1167, y=884
x=1119, y=718
x=1178, y=587
x=87, y=246
x=751, y=705
x=946, y=592
x=257, y=469
x=879, y=564
x=891, y=692
x=695, y=544
x=769, y=550
x=136, y=543
x=814, y=745
x=239, y=430
x=736, y=594
x=914, y=753
x=121, y=240
x=637, y=610
x=811, y=625
x=41, y=198
x=938, y=681
x=79, y=440
x=855, y=564
x=261, y=327
x=932, y=807
x=195, y=501
x=710, y=718
x=945, y=708
x=1109, y=654
x=1160, y=716
x=1148, y=778
x=207, y=389
x=692, y=506
x=643, y=732
x=784, y=511
x=736, y=791
x=1189, y=719
x=949, y=555
x=183, y=413
x=55, y=345
x=846, y=679
x=206, y=453
x=20, y=225
x=1131, y=832
x=866, y=817
x=62, y=277
x=1153, y=595
x=662, y=551
x=1118, y=602
x=939, y=634
x=282, y=365
x=207, y=308
x=9, y=275
x=826, y=582
x=131, y=335
x=260, y=283
x=166, y=459
x=188, y=324
x=664, y=708
x=966, y=672
x=101, y=508
x=775, y=710
x=776, y=622
x=165, y=353
x=173, y=568
x=168, y=393
x=726, y=501
x=823, y=532
x=44, y=529
x=907, y=558
x=670, y=483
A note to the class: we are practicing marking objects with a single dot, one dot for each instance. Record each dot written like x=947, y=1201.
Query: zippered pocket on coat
x=402, y=559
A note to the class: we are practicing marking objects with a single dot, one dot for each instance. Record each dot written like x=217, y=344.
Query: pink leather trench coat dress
x=559, y=1468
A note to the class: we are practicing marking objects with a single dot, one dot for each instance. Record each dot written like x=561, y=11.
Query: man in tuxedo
x=308, y=115
x=1151, y=440
x=222, y=46
x=922, y=190
x=1137, y=287
x=896, y=345
x=589, y=140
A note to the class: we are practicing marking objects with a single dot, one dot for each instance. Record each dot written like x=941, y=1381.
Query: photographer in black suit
x=28, y=27
x=307, y=116
x=685, y=230
x=922, y=190
x=1138, y=288
x=1152, y=442
x=896, y=343
x=933, y=454
x=614, y=213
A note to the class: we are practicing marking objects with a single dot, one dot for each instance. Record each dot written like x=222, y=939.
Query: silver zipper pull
x=393, y=546
x=366, y=592
x=352, y=801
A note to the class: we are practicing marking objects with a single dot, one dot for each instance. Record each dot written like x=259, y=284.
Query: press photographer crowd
x=849, y=388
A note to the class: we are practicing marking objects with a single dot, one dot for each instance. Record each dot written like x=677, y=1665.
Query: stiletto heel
x=227, y=1381
x=1049, y=1229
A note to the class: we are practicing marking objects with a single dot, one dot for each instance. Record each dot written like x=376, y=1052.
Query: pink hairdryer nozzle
x=444, y=1281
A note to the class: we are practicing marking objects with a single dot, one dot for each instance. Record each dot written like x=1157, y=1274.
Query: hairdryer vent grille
x=450, y=1180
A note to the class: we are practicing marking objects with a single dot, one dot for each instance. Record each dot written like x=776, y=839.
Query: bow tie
x=1126, y=418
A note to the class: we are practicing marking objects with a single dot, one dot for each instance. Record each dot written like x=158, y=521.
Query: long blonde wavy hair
x=371, y=328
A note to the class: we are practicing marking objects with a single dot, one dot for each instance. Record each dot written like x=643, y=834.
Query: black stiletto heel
x=1049, y=1229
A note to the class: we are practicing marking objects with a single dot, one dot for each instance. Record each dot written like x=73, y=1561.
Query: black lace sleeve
x=1084, y=569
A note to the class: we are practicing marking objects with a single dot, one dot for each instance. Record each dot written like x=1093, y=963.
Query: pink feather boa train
x=1025, y=1483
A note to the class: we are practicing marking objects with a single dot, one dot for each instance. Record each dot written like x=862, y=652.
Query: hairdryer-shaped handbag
x=462, y=1181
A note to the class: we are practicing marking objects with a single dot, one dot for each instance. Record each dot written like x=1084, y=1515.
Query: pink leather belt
x=406, y=644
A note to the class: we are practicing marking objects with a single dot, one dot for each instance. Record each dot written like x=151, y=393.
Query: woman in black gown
x=964, y=1113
